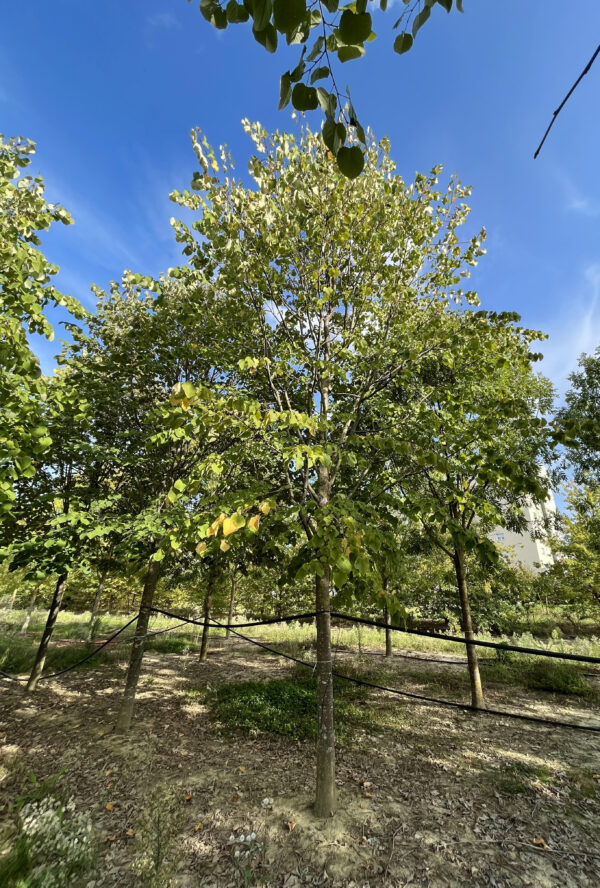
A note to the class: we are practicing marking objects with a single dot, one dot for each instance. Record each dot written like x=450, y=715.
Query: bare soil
x=435, y=797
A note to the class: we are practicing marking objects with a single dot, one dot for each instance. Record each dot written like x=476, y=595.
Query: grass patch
x=521, y=778
x=17, y=655
x=286, y=707
x=540, y=674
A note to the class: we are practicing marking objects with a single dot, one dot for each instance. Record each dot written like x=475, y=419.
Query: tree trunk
x=467, y=627
x=206, y=611
x=96, y=606
x=40, y=657
x=13, y=598
x=30, y=610
x=137, y=648
x=325, y=800
x=388, y=632
x=206, y=627
x=231, y=606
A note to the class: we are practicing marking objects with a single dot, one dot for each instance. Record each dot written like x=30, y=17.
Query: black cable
x=12, y=677
x=463, y=706
x=93, y=653
x=458, y=638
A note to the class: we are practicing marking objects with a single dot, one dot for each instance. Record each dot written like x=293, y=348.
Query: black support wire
x=465, y=707
x=79, y=662
x=580, y=658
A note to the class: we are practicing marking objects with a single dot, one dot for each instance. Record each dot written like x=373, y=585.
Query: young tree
x=25, y=291
x=481, y=440
x=581, y=416
x=60, y=507
x=345, y=287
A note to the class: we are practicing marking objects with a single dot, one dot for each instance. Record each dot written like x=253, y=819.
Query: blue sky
x=110, y=90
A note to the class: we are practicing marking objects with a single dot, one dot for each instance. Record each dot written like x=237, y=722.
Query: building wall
x=532, y=552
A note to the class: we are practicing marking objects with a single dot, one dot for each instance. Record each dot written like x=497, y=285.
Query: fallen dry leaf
x=188, y=797
x=130, y=833
x=198, y=827
x=290, y=825
x=110, y=806
x=235, y=798
x=109, y=838
x=540, y=843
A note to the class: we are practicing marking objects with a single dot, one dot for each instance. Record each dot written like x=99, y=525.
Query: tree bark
x=231, y=606
x=388, y=632
x=96, y=606
x=206, y=611
x=477, y=700
x=40, y=657
x=13, y=598
x=30, y=609
x=325, y=798
x=137, y=648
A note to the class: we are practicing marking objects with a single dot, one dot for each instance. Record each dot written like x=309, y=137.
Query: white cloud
x=574, y=329
x=576, y=200
x=166, y=21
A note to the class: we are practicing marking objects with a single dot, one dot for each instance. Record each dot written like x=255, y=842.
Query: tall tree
x=345, y=287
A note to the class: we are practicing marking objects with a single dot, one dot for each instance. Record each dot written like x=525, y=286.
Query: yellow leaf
x=109, y=806
x=200, y=548
x=233, y=523
x=265, y=508
x=253, y=523
x=224, y=546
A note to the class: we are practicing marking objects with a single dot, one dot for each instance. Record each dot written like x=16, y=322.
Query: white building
x=530, y=547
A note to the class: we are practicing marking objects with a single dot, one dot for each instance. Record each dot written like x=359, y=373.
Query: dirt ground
x=436, y=797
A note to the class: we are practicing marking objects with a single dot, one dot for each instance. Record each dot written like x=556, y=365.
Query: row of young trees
x=312, y=387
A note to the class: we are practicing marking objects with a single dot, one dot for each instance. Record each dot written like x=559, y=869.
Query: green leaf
x=319, y=73
x=188, y=389
x=304, y=98
x=285, y=90
x=288, y=14
x=420, y=20
x=261, y=14
x=327, y=101
x=267, y=38
x=317, y=48
x=158, y=556
x=236, y=13
x=213, y=13
x=447, y=4
x=339, y=578
x=334, y=135
x=354, y=28
x=350, y=161
x=403, y=43
x=347, y=53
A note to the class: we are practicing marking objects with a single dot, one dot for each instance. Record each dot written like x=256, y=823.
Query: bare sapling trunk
x=206, y=627
x=92, y=627
x=477, y=700
x=206, y=611
x=30, y=610
x=325, y=799
x=13, y=598
x=137, y=648
x=231, y=606
x=40, y=657
x=388, y=632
